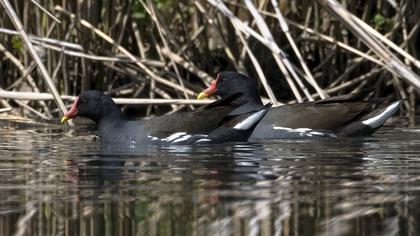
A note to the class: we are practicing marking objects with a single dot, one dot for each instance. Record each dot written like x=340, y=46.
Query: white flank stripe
x=305, y=132
x=183, y=138
x=203, y=140
x=283, y=128
x=317, y=133
x=173, y=136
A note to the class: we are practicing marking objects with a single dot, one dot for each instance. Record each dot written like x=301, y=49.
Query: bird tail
x=382, y=115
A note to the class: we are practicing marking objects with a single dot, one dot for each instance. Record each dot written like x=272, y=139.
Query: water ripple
x=352, y=186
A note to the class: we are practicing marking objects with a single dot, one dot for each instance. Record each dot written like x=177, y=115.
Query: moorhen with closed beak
x=206, y=125
x=340, y=116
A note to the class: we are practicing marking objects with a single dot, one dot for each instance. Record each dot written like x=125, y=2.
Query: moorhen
x=206, y=125
x=340, y=116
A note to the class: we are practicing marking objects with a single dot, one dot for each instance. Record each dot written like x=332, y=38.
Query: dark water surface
x=55, y=183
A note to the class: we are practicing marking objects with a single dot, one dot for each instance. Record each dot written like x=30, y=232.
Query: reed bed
x=145, y=51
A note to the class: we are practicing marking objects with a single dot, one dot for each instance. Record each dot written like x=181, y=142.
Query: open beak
x=209, y=91
x=71, y=113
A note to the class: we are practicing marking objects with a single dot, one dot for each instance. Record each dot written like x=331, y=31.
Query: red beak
x=210, y=90
x=71, y=113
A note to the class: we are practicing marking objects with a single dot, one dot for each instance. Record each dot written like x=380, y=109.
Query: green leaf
x=378, y=20
x=17, y=44
x=138, y=15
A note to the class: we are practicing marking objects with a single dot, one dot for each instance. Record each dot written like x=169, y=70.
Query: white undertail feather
x=183, y=138
x=249, y=121
x=180, y=137
x=380, y=119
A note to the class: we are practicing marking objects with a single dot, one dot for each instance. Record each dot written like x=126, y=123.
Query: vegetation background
x=173, y=49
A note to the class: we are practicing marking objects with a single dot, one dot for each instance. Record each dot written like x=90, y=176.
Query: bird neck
x=246, y=103
x=254, y=99
x=110, y=113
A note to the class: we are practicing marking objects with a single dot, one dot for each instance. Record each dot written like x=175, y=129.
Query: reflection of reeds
x=48, y=191
x=172, y=49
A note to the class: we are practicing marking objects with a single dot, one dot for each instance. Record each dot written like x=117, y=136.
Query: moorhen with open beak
x=340, y=116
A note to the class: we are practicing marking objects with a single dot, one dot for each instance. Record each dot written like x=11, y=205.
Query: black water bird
x=339, y=116
x=211, y=124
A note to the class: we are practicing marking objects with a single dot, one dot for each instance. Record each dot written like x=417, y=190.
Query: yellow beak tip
x=64, y=119
x=202, y=95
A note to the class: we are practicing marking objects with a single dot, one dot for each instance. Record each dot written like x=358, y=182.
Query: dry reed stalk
x=31, y=96
x=16, y=21
x=280, y=57
x=25, y=74
x=354, y=81
x=187, y=65
x=5, y=104
x=194, y=37
x=31, y=81
x=150, y=8
x=124, y=51
x=166, y=51
x=393, y=64
x=46, y=11
x=328, y=38
x=139, y=41
x=152, y=96
x=387, y=41
x=209, y=40
x=89, y=56
x=38, y=40
x=218, y=35
x=61, y=46
x=413, y=101
x=7, y=109
x=285, y=29
x=350, y=69
x=336, y=42
x=165, y=95
x=403, y=94
x=270, y=44
x=32, y=110
x=345, y=75
x=410, y=35
x=259, y=70
x=154, y=90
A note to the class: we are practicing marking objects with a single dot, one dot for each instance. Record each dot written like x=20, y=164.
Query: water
x=56, y=183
